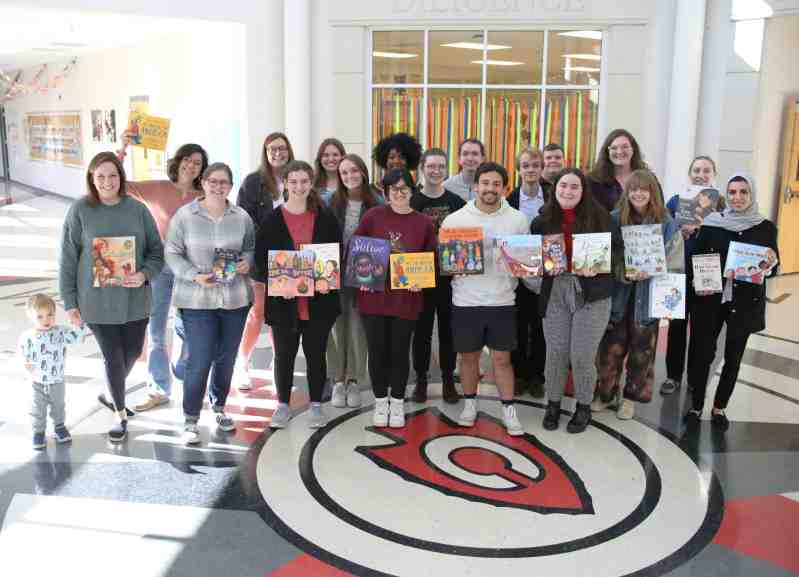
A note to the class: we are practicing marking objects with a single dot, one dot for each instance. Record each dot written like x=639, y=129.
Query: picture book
x=327, y=264
x=749, y=262
x=413, y=269
x=519, y=254
x=695, y=203
x=553, y=250
x=290, y=273
x=460, y=251
x=367, y=263
x=591, y=252
x=113, y=258
x=644, y=250
x=224, y=267
x=707, y=272
x=667, y=296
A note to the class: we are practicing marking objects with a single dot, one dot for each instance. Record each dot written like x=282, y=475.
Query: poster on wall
x=55, y=137
x=97, y=125
x=109, y=126
x=147, y=164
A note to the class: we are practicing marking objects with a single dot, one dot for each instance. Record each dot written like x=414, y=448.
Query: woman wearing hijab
x=741, y=305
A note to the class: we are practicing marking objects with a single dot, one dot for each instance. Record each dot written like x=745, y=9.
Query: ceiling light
x=581, y=69
x=498, y=62
x=476, y=46
x=396, y=55
x=591, y=34
x=582, y=56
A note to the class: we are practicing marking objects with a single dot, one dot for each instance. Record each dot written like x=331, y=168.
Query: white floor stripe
x=773, y=346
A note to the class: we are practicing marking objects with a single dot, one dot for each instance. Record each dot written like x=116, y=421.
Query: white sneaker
x=281, y=416
x=380, y=413
x=353, y=394
x=469, y=413
x=511, y=421
x=191, y=434
x=241, y=374
x=626, y=410
x=396, y=417
x=317, y=418
x=339, y=396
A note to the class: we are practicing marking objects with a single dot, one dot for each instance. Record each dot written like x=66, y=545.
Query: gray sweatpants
x=346, y=351
x=573, y=330
x=43, y=395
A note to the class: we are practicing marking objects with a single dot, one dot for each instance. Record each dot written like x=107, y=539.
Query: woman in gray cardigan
x=110, y=250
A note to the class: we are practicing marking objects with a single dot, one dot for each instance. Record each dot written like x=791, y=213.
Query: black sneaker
x=39, y=441
x=62, y=434
x=719, y=420
x=449, y=392
x=552, y=416
x=118, y=432
x=669, y=386
x=692, y=418
x=420, y=390
x=580, y=419
x=537, y=386
x=110, y=406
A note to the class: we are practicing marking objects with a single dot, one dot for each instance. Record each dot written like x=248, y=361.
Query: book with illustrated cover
x=520, y=255
x=367, y=263
x=667, y=296
x=224, y=266
x=644, y=250
x=749, y=262
x=707, y=272
x=695, y=203
x=413, y=269
x=553, y=249
x=290, y=273
x=327, y=264
x=113, y=258
x=461, y=251
x=591, y=253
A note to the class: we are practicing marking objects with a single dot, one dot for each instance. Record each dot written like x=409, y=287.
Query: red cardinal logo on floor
x=481, y=463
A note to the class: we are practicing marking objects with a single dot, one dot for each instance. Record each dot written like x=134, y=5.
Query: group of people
x=541, y=332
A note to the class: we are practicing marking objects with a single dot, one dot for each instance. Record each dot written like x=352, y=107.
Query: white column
x=686, y=75
x=297, y=75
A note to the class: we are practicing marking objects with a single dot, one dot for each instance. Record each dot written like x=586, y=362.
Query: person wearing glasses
x=436, y=202
x=618, y=157
x=261, y=192
x=389, y=315
x=213, y=312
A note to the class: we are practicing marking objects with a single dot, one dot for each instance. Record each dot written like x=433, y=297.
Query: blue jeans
x=160, y=379
x=212, y=338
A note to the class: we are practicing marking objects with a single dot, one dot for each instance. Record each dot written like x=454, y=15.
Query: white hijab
x=734, y=220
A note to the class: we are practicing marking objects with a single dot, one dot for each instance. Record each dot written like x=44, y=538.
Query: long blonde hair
x=655, y=211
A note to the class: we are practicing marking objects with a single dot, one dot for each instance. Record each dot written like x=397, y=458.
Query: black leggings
x=121, y=346
x=437, y=304
x=314, y=335
x=388, y=340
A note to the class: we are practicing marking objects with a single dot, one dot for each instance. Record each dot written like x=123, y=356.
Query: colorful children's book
x=519, y=254
x=367, y=263
x=553, y=249
x=749, y=262
x=413, y=269
x=290, y=273
x=591, y=252
x=327, y=264
x=707, y=272
x=644, y=250
x=667, y=296
x=113, y=258
x=224, y=267
x=460, y=250
x=695, y=203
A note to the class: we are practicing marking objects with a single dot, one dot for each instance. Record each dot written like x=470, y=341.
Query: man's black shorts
x=475, y=327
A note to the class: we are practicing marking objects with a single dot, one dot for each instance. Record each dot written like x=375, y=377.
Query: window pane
x=397, y=57
x=571, y=120
x=395, y=110
x=573, y=57
x=453, y=115
x=512, y=123
x=515, y=57
x=455, y=57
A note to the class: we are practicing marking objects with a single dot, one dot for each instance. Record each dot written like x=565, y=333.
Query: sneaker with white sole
x=316, y=418
x=39, y=441
x=339, y=396
x=380, y=413
x=598, y=405
x=511, y=421
x=191, y=434
x=669, y=386
x=353, y=394
x=241, y=374
x=61, y=434
x=281, y=416
x=469, y=413
x=396, y=413
x=224, y=422
x=626, y=410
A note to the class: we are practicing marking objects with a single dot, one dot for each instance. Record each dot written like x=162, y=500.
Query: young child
x=43, y=350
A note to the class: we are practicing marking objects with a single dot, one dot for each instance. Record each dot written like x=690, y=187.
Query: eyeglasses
x=220, y=183
x=402, y=190
x=277, y=149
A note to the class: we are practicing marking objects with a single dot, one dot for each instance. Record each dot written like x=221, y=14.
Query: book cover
x=644, y=249
x=113, y=258
x=413, y=269
x=290, y=273
x=327, y=264
x=224, y=266
x=519, y=255
x=460, y=250
x=695, y=203
x=667, y=296
x=707, y=272
x=749, y=262
x=553, y=249
x=367, y=263
x=591, y=253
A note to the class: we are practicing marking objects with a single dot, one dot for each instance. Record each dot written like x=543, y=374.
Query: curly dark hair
x=184, y=152
x=405, y=144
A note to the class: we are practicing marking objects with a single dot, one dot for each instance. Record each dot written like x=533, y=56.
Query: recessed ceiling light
x=591, y=34
x=476, y=46
x=396, y=55
x=582, y=56
x=498, y=62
